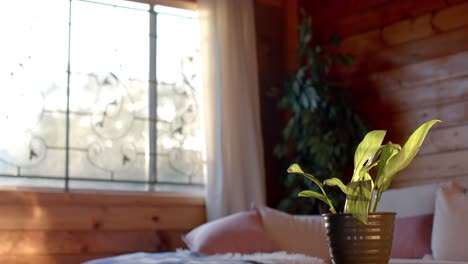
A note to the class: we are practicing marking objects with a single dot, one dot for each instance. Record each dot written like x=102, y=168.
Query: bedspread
x=187, y=257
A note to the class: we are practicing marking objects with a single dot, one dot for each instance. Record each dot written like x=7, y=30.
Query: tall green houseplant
x=322, y=130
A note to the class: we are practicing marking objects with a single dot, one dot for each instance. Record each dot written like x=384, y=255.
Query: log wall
x=71, y=227
x=270, y=17
x=411, y=66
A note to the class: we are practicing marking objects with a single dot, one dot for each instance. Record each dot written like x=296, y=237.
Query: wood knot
x=84, y=249
x=96, y=224
x=161, y=247
x=155, y=218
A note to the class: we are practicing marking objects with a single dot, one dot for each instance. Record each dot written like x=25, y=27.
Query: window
x=101, y=95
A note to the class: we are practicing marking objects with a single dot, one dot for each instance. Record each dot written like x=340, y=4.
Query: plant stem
x=332, y=209
x=376, y=201
x=370, y=201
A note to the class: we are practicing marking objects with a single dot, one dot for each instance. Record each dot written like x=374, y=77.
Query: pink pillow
x=301, y=234
x=240, y=233
x=449, y=233
x=412, y=236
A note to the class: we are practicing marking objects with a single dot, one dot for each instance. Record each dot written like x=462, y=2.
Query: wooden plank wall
x=271, y=47
x=411, y=66
x=71, y=227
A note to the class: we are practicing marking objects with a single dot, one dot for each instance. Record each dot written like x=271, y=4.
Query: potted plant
x=361, y=234
x=321, y=129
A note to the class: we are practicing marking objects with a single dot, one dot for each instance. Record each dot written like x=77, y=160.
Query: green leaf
x=326, y=68
x=318, y=49
x=364, y=173
x=366, y=149
x=283, y=103
x=304, y=101
x=388, y=152
x=316, y=195
x=295, y=168
x=337, y=182
x=367, y=168
x=295, y=87
x=300, y=73
x=349, y=60
x=346, y=60
x=280, y=150
x=365, y=176
x=287, y=131
x=358, y=199
x=403, y=158
x=335, y=40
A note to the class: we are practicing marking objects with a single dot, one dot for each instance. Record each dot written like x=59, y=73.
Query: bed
x=423, y=233
x=186, y=257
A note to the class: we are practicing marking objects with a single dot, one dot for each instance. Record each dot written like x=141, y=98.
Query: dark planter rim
x=347, y=214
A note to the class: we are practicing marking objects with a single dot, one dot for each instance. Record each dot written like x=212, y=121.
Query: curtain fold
x=235, y=165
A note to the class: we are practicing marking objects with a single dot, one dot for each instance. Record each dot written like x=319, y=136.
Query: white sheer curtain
x=235, y=165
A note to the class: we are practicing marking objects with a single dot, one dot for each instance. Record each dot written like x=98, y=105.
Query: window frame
x=183, y=4
x=151, y=181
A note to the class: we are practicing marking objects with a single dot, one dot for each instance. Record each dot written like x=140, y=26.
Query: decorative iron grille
x=100, y=95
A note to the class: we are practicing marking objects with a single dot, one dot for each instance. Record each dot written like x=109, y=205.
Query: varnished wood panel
x=414, y=28
x=72, y=242
x=83, y=242
x=292, y=35
x=451, y=114
x=408, y=30
x=50, y=259
x=415, y=97
x=25, y=197
x=422, y=73
x=438, y=45
x=275, y=3
x=95, y=218
x=435, y=168
x=461, y=179
x=446, y=140
x=379, y=16
x=430, y=35
x=61, y=227
x=411, y=66
x=327, y=11
x=272, y=45
x=430, y=166
x=451, y=17
x=363, y=44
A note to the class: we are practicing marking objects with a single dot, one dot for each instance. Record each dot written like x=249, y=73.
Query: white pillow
x=449, y=232
x=409, y=201
x=296, y=233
